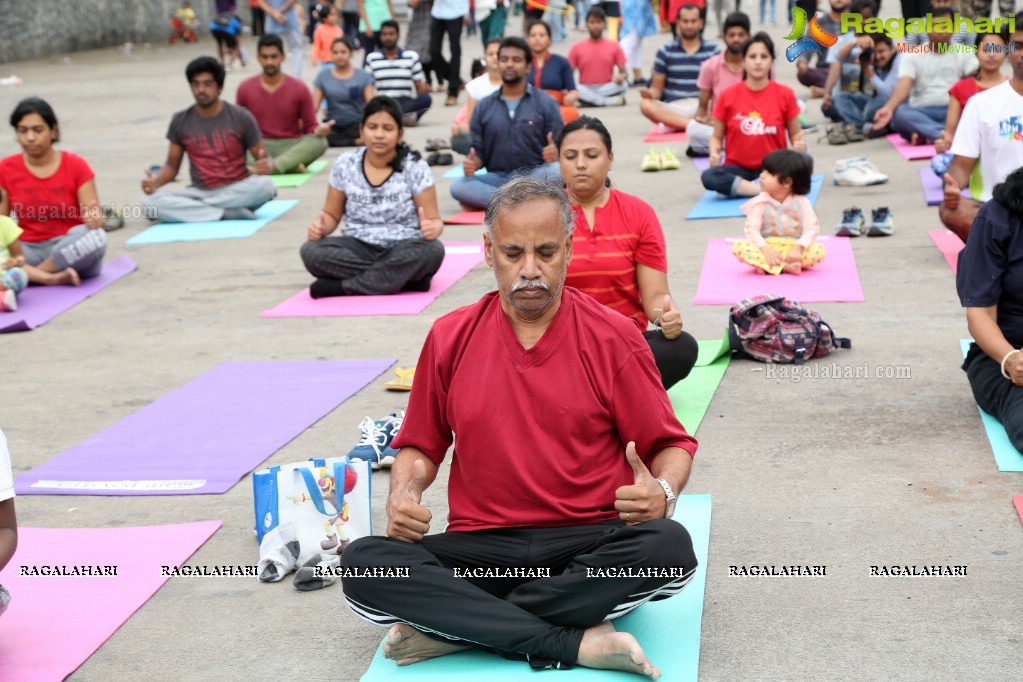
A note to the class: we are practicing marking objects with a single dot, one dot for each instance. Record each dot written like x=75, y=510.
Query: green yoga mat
x=691, y=397
x=1007, y=457
x=668, y=630
x=299, y=179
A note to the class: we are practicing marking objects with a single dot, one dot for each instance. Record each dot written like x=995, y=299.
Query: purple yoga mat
x=725, y=280
x=459, y=259
x=934, y=187
x=702, y=163
x=203, y=437
x=38, y=305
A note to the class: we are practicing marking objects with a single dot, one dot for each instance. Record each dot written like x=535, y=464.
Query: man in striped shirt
x=398, y=73
x=673, y=95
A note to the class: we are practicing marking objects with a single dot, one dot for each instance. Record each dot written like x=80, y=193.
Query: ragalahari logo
x=816, y=39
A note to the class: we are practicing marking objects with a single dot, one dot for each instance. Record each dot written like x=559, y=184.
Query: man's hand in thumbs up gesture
x=550, y=152
x=471, y=164
x=407, y=519
x=644, y=500
x=669, y=320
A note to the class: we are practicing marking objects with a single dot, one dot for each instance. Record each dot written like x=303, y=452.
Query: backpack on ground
x=772, y=328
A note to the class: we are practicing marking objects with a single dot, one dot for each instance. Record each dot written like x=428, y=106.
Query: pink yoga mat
x=1018, y=503
x=459, y=259
x=949, y=244
x=38, y=305
x=911, y=152
x=725, y=280
x=466, y=218
x=655, y=135
x=54, y=623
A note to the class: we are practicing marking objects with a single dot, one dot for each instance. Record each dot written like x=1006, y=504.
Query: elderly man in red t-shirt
x=283, y=108
x=568, y=461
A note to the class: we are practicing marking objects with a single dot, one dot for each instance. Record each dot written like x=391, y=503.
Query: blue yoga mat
x=668, y=630
x=220, y=229
x=713, y=205
x=1007, y=457
x=459, y=172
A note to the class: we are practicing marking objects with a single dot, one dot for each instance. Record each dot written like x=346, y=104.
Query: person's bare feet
x=300, y=168
x=793, y=268
x=918, y=139
x=605, y=649
x=66, y=277
x=405, y=645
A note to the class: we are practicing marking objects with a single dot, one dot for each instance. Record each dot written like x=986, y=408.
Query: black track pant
x=539, y=619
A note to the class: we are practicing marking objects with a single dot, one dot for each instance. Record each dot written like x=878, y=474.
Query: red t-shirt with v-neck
x=626, y=232
x=539, y=434
x=45, y=207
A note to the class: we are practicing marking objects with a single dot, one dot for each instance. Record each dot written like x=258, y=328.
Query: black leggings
x=995, y=394
x=675, y=358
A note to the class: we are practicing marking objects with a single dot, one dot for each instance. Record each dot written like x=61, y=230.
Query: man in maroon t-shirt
x=216, y=135
x=552, y=396
x=284, y=111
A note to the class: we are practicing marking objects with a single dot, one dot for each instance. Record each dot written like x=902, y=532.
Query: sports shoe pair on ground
x=660, y=159
x=857, y=172
x=854, y=223
x=374, y=445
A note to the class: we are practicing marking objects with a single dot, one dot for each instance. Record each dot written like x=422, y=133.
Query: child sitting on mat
x=8, y=520
x=13, y=279
x=781, y=226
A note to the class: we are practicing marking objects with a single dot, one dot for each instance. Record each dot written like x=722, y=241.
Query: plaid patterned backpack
x=772, y=328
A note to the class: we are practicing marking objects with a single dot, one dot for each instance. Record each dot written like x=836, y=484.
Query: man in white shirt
x=924, y=79
x=989, y=136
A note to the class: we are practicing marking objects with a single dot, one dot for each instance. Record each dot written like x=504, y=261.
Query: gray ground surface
x=845, y=473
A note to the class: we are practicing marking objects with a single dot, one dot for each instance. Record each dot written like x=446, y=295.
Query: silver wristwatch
x=669, y=498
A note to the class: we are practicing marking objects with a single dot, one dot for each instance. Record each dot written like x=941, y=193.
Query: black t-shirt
x=991, y=268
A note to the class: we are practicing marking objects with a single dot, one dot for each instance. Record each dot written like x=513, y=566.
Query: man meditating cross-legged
x=568, y=461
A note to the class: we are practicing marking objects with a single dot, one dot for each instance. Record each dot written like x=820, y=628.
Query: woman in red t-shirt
x=53, y=196
x=619, y=257
x=988, y=75
x=751, y=118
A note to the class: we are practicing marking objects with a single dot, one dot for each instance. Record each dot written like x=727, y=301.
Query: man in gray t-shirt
x=216, y=135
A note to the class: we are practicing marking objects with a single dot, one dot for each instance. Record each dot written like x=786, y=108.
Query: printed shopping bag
x=323, y=503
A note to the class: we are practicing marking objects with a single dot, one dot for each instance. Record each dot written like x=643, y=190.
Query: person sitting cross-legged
x=534, y=367
x=386, y=197
x=284, y=111
x=398, y=73
x=512, y=131
x=601, y=65
x=216, y=135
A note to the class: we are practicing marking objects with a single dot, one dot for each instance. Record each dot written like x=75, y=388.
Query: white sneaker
x=857, y=172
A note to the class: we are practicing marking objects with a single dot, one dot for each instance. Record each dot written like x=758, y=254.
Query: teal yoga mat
x=457, y=171
x=691, y=397
x=712, y=205
x=220, y=229
x=1007, y=457
x=668, y=630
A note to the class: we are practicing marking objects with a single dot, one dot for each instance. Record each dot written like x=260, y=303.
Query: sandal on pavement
x=404, y=380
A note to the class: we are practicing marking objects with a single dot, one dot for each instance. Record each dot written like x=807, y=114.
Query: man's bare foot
x=605, y=649
x=793, y=268
x=816, y=92
x=917, y=139
x=405, y=645
x=300, y=168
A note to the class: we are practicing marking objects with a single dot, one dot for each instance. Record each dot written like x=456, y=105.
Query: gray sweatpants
x=81, y=248
x=600, y=94
x=370, y=270
x=195, y=205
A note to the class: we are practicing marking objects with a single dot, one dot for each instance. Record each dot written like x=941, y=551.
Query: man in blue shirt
x=673, y=96
x=512, y=131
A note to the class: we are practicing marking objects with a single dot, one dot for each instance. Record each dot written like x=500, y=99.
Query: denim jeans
x=857, y=108
x=476, y=190
x=928, y=122
x=724, y=179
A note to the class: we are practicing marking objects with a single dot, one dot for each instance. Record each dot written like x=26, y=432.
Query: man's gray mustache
x=531, y=284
